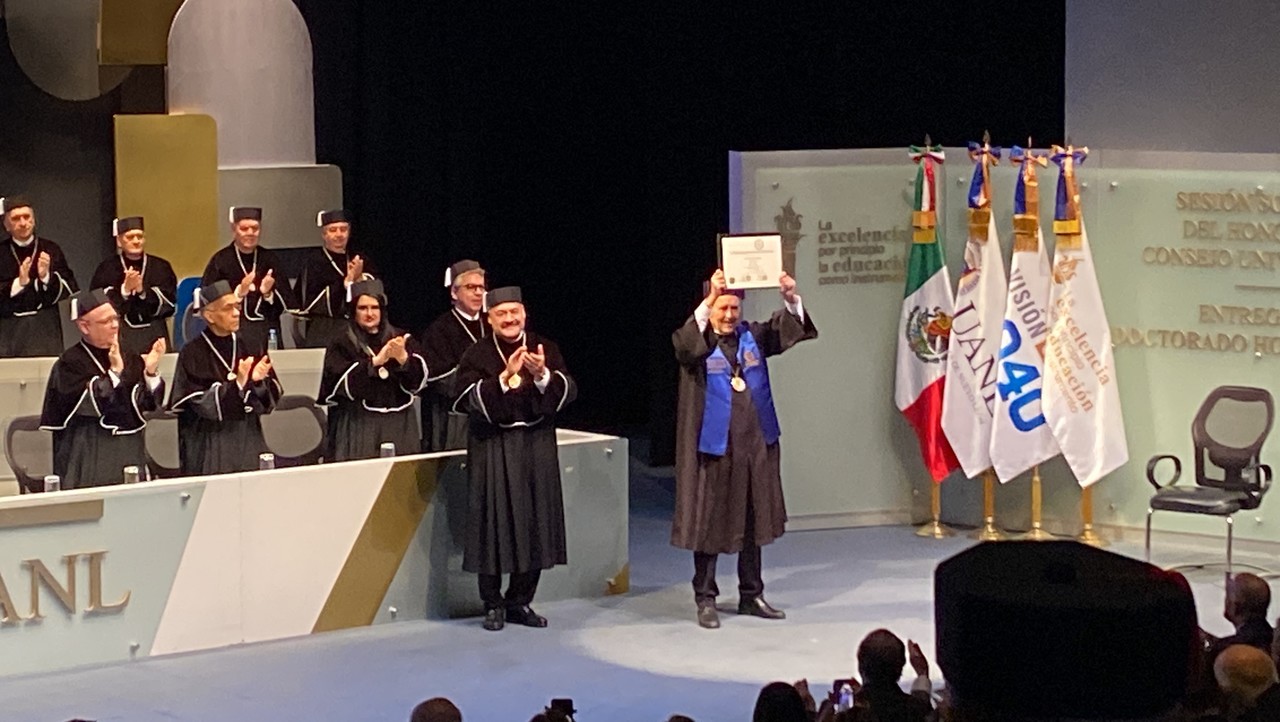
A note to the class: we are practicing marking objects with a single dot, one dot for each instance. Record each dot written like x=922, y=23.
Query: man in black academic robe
x=371, y=374
x=96, y=399
x=444, y=422
x=255, y=276
x=35, y=276
x=142, y=286
x=728, y=472
x=513, y=386
x=221, y=389
x=326, y=277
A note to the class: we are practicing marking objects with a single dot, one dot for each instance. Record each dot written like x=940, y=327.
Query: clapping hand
x=918, y=662
x=262, y=369
x=268, y=282
x=114, y=357
x=24, y=271
x=514, y=364
x=245, y=285
x=151, y=359
x=355, y=269
x=42, y=266
x=244, y=368
x=132, y=281
x=536, y=363
x=395, y=349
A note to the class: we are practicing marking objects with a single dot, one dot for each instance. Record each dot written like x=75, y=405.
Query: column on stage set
x=969, y=396
x=923, y=330
x=1082, y=400
x=1021, y=439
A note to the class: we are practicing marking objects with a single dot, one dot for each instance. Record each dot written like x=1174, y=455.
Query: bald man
x=1248, y=597
x=1247, y=677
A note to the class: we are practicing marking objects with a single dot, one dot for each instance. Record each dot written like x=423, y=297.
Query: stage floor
x=635, y=657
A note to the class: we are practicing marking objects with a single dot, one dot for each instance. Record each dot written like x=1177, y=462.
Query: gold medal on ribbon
x=382, y=372
x=231, y=375
x=738, y=384
x=513, y=381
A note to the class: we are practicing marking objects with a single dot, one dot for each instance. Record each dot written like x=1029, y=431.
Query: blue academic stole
x=714, y=437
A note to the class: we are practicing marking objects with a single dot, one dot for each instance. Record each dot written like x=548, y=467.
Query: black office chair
x=31, y=456
x=160, y=450
x=293, y=443
x=1227, y=435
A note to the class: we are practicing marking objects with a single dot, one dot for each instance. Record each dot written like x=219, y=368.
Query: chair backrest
x=296, y=328
x=192, y=324
x=295, y=431
x=1228, y=433
x=162, y=445
x=29, y=452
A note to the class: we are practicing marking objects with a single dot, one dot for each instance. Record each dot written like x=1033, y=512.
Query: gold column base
x=935, y=530
x=989, y=532
x=1036, y=533
x=1089, y=536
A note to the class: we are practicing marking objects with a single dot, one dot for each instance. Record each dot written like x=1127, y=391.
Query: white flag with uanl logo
x=968, y=400
x=1082, y=401
x=1020, y=436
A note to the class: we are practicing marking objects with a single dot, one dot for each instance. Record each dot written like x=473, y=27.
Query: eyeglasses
x=472, y=287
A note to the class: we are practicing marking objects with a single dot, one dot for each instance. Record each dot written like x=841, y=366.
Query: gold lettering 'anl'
x=95, y=588
x=41, y=576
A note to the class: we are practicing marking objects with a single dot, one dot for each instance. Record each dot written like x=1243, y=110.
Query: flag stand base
x=935, y=529
x=989, y=531
x=1087, y=534
x=1037, y=532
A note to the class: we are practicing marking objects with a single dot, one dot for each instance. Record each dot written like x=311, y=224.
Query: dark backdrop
x=581, y=152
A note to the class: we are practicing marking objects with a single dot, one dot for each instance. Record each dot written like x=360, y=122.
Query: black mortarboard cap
x=206, y=295
x=241, y=213
x=457, y=270
x=8, y=203
x=87, y=300
x=124, y=225
x=337, y=215
x=506, y=294
x=371, y=287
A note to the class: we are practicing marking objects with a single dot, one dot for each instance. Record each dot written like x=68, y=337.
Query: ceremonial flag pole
x=968, y=401
x=1021, y=439
x=923, y=330
x=1082, y=401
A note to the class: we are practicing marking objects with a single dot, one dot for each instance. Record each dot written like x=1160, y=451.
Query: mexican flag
x=970, y=396
x=924, y=325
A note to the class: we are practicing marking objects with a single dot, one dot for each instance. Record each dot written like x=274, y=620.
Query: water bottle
x=846, y=698
x=266, y=461
x=273, y=340
x=52, y=483
x=387, y=449
x=132, y=475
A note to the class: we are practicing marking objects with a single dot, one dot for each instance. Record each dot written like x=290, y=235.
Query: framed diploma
x=751, y=260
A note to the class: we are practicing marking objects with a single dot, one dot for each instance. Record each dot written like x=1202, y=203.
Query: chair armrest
x=1264, y=478
x=1177, y=470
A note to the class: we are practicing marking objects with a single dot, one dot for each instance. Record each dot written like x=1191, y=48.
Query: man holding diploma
x=728, y=473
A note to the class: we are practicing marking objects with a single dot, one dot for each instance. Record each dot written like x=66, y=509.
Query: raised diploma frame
x=751, y=260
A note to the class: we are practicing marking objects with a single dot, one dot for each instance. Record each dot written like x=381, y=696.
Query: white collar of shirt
x=468, y=316
x=24, y=244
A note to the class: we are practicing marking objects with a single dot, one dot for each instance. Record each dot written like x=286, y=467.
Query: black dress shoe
x=494, y=619
x=708, y=617
x=758, y=607
x=526, y=616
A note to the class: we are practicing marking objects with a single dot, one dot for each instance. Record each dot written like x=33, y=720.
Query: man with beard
x=326, y=279
x=728, y=472
x=96, y=397
x=142, y=286
x=254, y=274
x=513, y=387
x=35, y=272
x=220, y=391
x=444, y=423
x=371, y=374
